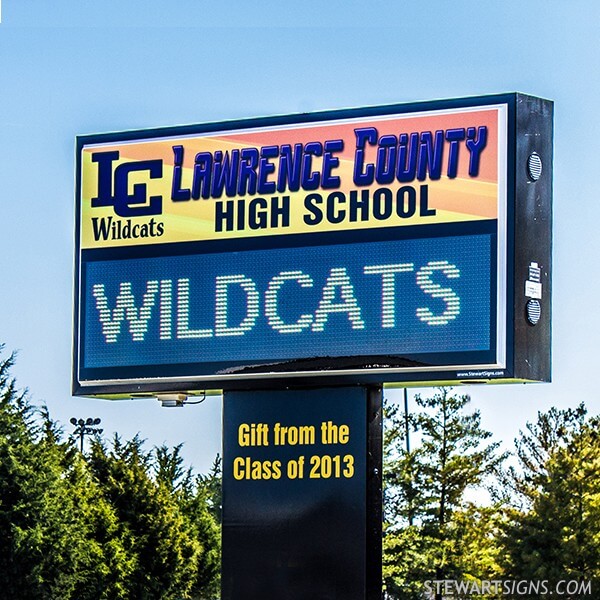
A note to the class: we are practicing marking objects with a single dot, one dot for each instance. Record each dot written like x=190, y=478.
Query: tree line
x=124, y=522
x=540, y=521
x=121, y=522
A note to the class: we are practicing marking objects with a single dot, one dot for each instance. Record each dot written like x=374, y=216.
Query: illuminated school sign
x=385, y=244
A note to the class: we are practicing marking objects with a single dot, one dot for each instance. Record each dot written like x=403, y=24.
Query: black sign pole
x=374, y=492
x=302, y=494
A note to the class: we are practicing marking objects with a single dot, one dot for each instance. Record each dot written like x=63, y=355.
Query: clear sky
x=70, y=67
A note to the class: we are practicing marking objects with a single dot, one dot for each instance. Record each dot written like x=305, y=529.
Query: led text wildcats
x=168, y=303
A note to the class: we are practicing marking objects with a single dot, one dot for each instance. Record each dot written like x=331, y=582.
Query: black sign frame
x=526, y=346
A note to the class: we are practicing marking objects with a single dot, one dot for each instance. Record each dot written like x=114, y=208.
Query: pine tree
x=209, y=487
x=429, y=513
x=163, y=551
x=555, y=529
x=196, y=498
x=121, y=524
x=51, y=511
x=37, y=552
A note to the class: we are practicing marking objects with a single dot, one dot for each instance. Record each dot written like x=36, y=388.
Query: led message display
x=385, y=297
x=351, y=245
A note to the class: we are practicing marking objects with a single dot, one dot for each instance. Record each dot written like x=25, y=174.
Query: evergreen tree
x=478, y=531
x=49, y=511
x=157, y=539
x=196, y=499
x=100, y=566
x=534, y=448
x=210, y=489
x=555, y=532
x=204, y=505
x=19, y=507
x=122, y=524
x=37, y=555
x=429, y=514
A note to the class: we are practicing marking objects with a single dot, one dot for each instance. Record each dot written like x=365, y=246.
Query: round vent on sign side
x=534, y=166
x=534, y=311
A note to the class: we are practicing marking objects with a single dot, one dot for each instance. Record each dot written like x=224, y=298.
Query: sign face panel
x=359, y=245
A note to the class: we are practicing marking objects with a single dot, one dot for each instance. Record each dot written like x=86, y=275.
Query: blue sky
x=73, y=67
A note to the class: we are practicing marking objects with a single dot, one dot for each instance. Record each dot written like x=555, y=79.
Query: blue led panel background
x=394, y=297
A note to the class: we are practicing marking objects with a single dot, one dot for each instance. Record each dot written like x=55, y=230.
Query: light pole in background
x=407, y=432
x=85, y=427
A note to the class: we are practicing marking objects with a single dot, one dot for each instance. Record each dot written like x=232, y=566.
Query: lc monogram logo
x=136, y=204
